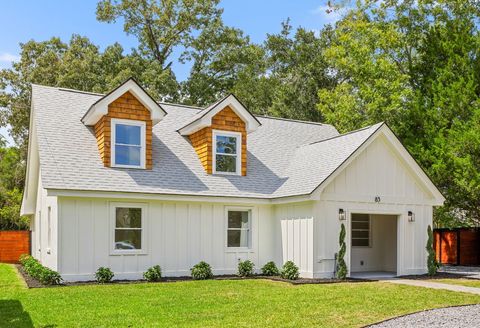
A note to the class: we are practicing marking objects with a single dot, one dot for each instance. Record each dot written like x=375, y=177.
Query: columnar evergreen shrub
x=290, y=271
x=270, y=269
x=153, y=274
x=104, y=275
x=201, y=271
x=36, y=270
x=431, y=260
x=245, y=268
x=341, y=265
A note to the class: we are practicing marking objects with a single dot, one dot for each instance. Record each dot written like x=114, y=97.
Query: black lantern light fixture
x=341, y=214
x=411, y=216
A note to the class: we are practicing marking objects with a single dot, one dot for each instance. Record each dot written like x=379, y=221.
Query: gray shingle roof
x=285, y=158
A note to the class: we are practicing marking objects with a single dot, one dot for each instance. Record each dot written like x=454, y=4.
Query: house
x=123, y=181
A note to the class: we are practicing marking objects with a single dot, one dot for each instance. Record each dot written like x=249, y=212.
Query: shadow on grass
x=13, y=315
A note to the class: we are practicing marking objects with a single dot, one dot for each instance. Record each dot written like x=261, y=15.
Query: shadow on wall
x=13, y=315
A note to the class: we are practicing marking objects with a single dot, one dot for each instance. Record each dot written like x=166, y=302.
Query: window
x=361, y=230
x=129, y=225
x=227, y=152
x=238, y=229
x=128, y=143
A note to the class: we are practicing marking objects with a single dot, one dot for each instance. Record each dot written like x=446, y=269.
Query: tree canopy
x=411, y=63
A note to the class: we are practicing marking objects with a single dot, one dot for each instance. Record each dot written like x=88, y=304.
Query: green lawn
x=462, y=282
x=246, y=303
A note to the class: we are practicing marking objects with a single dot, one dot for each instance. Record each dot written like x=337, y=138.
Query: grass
x=213, y=303
x=461, y=282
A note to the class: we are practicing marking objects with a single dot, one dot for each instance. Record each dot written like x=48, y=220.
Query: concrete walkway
x=435, y=285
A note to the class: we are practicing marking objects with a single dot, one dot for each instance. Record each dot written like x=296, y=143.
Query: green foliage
x=270, y=269
x=11, y=184
x=432, y=263
x=289, y=271
x=43, y=274
x=201, y=271
x=414, y=64
x=153, y=274
x=104, y=275
x=245, y=268
x=341, y=265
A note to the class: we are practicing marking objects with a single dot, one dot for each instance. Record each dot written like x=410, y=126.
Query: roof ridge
x=347, y=133
x=291, y=120
x=180, y=105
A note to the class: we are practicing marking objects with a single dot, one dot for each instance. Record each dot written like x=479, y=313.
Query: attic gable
x=100, y=107
x=204, y=118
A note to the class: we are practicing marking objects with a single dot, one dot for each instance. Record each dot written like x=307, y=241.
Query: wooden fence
x=13, y=244
x=457, y=246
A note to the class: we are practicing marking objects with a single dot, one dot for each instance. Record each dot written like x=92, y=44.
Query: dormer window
x=128, y=143
x=227, y=148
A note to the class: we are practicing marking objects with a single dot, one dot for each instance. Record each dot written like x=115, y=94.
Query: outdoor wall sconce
x=411, y=216
x=341, y=214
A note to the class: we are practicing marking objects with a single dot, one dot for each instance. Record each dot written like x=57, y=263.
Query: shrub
x=431, y=260
x=153, y=274
x=341, y=265
x=104, y=275
x=270, y=269
x=245, y=268
x=201, y=271
x=35, y=270
x=290, y=271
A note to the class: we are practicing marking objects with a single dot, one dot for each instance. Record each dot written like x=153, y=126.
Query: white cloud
x=7, y=57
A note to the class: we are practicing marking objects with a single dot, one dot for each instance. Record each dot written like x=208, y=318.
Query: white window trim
x=369, y=231
x=144, y=208
x=238, y=165
x=142, y=125
x=250, y=229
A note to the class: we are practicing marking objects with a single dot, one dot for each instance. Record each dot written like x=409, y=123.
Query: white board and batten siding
x=376, y=171
x=178, y=235
x=296, y=240
x=44, y=228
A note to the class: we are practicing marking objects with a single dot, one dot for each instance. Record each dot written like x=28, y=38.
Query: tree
x=415, y=65
x=341, y=265
x=432, y=263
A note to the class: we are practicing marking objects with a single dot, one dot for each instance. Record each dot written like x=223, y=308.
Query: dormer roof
x=204, y=118
x=100, y=107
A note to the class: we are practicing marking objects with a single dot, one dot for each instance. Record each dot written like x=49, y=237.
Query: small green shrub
x=201, y=271
x=153, y=274
x=341, y=265
x=290, y=271
x=245, y=268
x=270, y=269
x=104, y=275
x=432, y=263
x=36, y=270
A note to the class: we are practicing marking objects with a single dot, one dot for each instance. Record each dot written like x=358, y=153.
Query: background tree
x=415, y=65
x=432, y=263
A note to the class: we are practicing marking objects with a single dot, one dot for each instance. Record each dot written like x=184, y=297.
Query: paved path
x=435, y=285
x=458, y=317
x=471, y=272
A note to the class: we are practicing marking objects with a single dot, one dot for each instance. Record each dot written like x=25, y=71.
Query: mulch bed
x=439, y=275
x=33, y=283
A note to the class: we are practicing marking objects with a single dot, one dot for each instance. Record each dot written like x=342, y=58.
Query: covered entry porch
x=373, y=245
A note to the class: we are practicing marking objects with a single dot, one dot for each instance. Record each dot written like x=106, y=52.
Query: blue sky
x=23, y=20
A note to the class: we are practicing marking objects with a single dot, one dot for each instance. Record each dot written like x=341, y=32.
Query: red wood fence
x=13, y=244
x=457, y=246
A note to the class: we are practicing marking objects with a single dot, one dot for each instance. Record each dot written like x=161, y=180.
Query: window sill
x=239, y=250
x=127, y=167
x=120, y=253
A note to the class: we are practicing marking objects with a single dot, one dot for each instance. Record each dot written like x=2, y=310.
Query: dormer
x=122, y=121
x=219, y=136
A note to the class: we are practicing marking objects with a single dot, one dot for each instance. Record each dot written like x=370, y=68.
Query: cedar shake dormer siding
x=126, y=107
x=202, y=142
